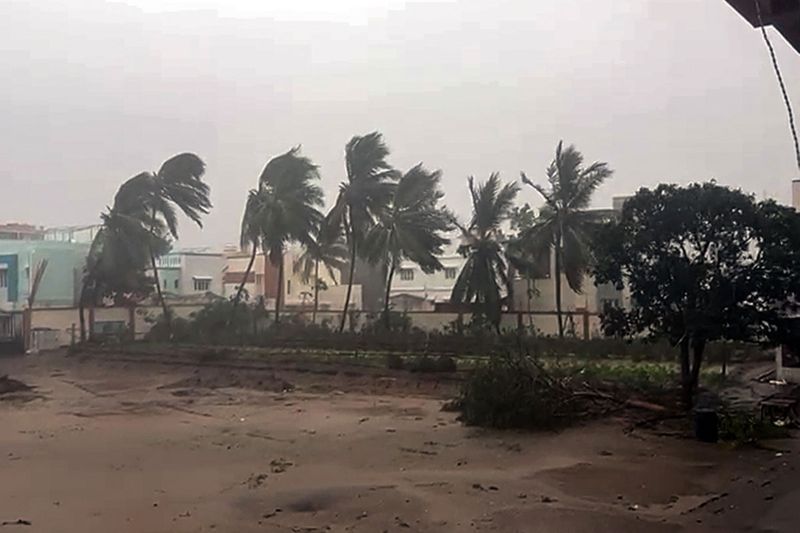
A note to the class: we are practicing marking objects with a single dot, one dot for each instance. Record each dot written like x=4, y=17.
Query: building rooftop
x=783, y=15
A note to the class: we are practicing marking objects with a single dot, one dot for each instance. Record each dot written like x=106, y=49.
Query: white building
x=191, y=272
x=414, y=290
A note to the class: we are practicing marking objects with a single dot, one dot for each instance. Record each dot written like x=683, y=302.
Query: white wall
x=203, y=266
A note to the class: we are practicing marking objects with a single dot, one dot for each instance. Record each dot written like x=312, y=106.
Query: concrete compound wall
x=65, y=322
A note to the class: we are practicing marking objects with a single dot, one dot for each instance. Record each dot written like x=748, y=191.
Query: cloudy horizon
x=663, y=90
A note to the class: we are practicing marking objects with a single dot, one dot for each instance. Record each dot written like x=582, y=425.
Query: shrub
x=426, y=363
x=395, y=361
x=745, y=428
x=516, y=392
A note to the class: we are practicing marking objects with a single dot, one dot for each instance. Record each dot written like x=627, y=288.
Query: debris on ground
x=17, y=522
x=217, y=379
x=9, y=386
x=279, y=466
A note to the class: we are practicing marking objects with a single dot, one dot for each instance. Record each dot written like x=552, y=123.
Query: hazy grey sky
x=93, y=92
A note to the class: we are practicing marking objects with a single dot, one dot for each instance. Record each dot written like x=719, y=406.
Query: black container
x=706, y=425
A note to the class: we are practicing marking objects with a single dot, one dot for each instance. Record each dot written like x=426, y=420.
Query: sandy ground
x=130, y=447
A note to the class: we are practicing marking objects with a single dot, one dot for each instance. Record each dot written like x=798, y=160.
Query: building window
x=450, y=273
x=176, y=284
x=407, y=274
x=288, y=286
x=3, y=278
x=202, y=284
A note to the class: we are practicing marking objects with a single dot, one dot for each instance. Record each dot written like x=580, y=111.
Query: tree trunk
x=246, y=275
x=352, y=273
x=686, y=374
x=530, y=317
x=82, y=310
x=164, y=308
x=279, y=294
x=389, y=277
x=558, y=288
x=231, y=319
x=698, y=347
x=316, y=292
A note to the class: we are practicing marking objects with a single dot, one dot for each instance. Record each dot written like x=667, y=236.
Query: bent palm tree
x=285, y=208
x=362, y=197
x=250, y=236
x=411, y=228
x=326, y=251
x=120, y=252
x=484, y=274
x=563, y=224
x=176, y=186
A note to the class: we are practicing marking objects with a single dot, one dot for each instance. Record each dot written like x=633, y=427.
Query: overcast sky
x=94, y=92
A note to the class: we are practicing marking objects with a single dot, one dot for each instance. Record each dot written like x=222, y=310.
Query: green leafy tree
x=324, y=250
x=563, y=226
x=362, y=198
x=410, y=228
x=283, y=209
x=484, y=275
x=703, y=263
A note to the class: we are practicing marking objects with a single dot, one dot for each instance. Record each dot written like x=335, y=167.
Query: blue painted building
x=60, y=285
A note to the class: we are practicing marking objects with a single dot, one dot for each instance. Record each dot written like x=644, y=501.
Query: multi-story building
x=414, y=290
x=296, y=293
x=80, y=234
x=191, y=272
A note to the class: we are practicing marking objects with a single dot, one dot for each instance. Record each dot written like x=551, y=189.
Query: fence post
x=586, y=324
x=132, y=321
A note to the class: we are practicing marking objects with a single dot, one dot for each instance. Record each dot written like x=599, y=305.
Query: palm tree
x=362, y=197
x=411, y=228
x=250, y=236
x=326, y=251
x=484, y=274
x=120, y=252
x=283, y=209
x=563, y=224
x=177, y=184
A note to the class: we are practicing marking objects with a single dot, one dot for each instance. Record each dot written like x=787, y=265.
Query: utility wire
x=780, y=82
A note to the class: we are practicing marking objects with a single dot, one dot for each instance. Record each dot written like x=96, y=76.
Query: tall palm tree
x=176, y=186
x=411, y=228
x=250, y=235
x=283, y=209
x=120, y=252
x=364, y=195
x=484, y=274
x=564, y=225
x=324, y=250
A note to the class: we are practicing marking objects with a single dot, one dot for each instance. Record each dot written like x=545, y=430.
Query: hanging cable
x=777, y=70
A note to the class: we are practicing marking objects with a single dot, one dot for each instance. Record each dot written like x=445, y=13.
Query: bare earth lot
x=121, y=447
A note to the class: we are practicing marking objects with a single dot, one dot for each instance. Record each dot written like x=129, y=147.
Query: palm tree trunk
x=164, y=308
x=279, y=294
x=529, y=290
x=246, y=275
x=352, y=273
x=389, y=277
x=316, y=292
x=558, y=288
x=82, y=311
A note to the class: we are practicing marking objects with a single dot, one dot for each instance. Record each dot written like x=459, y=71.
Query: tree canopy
x=484, y=277
x=702, y=263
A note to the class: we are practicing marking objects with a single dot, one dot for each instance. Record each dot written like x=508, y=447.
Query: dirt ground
x=100, y=446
